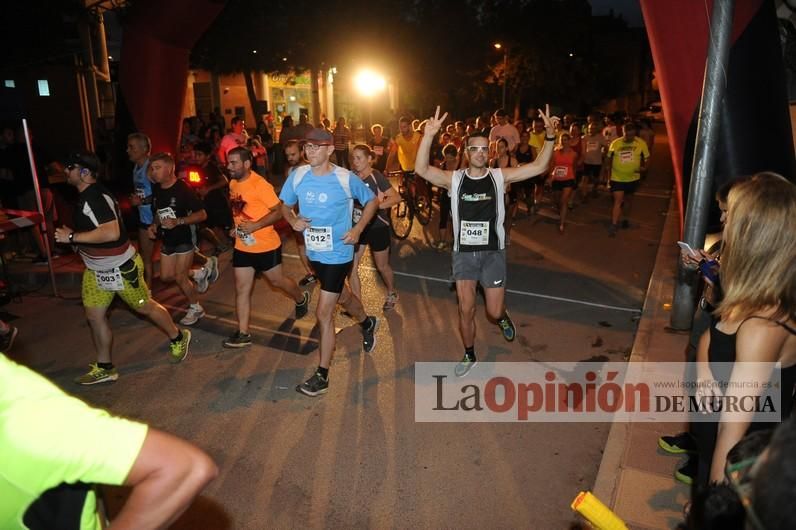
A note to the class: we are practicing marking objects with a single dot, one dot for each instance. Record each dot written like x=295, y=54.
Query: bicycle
x=412, y=205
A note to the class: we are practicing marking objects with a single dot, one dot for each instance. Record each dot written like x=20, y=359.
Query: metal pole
x=699, y=191
x=505, y=75
x=45, y=234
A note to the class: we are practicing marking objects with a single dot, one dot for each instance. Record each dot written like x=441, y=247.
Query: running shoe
x=369, y=334
x=464, y=366
x=212, y=267
x=688, y=472
x=7, y=339
x=192, y=316
x=179, y=349
x=390, y=301
x=238, y=340
x=678, y=444
x=314, y=386
x=200, y=276
x=612, y=231
x=507, y=327
x=308, y=279
x=303, y=307
x=625, y=224
x=97, y=375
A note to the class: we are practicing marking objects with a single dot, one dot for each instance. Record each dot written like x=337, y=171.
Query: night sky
x=629, y=9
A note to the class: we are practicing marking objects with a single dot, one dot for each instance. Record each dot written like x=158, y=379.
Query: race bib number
x=474, y=233
x=140, y=193
x=166, y=213
x=378, y=150
x=110, y=280
x=626, y=157
x=318, y=238
x=357, y=215
x=245, y=238
x=592, y=146
x=560, y=172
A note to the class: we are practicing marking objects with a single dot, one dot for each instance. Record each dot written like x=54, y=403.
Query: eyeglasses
x=70, y=167
x=314, y=147
x=476, y=148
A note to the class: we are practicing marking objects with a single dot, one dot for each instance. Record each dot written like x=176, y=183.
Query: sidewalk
x=636, y=478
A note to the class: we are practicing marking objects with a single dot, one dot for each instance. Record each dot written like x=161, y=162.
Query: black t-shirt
x=524, y=158
x=96, y=206
x=177, y=201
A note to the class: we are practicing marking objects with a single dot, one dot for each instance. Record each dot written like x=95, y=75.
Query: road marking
x=512, y=291
x=251, y=326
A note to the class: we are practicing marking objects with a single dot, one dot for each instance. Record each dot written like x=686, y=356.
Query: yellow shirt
x=407, y=150
x=537, y=141
x=251, y=200
x=626, y=158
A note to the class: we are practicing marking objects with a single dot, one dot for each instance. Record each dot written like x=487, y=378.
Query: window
x=44, y=87
x=9, y=83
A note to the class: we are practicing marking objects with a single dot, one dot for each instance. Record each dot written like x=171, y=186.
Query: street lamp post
x=499, y=46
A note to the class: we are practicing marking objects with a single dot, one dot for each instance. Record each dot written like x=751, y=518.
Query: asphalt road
x=355, y=457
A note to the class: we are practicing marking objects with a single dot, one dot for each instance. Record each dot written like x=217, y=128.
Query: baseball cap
x=319, y=137
x=84, y=159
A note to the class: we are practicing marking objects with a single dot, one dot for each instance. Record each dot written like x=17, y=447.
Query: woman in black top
x=755, y=323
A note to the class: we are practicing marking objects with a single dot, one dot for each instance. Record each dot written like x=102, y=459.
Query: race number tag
x=166, y=213
x=626, y=157
x=357, y=215
x=318, y=238
x=141, y=193
x=560, y=172
x=245, y=238
x=592, y=146
x=378, y=150
x=474, y=233
x=110, y=280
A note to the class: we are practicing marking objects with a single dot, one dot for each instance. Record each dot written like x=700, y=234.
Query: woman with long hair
x=377, y=234
x=503, y=159
x=563, y=165
x=755, y=322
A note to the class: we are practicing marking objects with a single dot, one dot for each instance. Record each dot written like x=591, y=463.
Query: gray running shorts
x=485, y=266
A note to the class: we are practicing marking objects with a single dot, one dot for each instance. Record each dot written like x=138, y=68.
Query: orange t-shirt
x=252, y=199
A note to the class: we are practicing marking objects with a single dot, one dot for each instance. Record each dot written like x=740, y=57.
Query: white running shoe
x=201, y=277
x=192, y=316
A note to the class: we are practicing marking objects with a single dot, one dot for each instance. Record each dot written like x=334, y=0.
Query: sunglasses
x=476, y=148
x=314, y=147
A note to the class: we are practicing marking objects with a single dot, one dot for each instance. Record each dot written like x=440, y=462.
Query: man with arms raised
x=478, y=211
x=325, y=193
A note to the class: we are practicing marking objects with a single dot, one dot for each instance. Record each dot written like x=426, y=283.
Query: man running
x=626, y=162
x=258, y=248
x=325, y=194
x=113, y=267
x=176, y=208
x=478, y=210
x=294, y=158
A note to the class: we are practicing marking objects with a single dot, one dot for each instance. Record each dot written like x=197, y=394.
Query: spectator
x=342, y=137
x=756, y=319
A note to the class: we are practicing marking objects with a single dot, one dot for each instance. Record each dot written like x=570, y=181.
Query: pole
x=699, y=191
x=43, y=227
x=505, y=75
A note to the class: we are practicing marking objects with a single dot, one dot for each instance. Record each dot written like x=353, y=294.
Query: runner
x=113, y=267
x=562, y=175
x=176, y=208
x=478, y=211
x=294, y=158
x=377, y=233
x=324, y=193
x=258, y=248
x=626, y=161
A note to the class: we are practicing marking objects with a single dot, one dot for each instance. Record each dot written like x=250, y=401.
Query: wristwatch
x=550, y=138
x=181, y=221
x=71, y=237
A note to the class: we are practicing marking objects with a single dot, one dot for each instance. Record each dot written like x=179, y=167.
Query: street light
x=499, y=46
x=368, y=83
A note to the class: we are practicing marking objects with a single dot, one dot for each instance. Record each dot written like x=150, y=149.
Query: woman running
x=377, y=233
x=562, y=174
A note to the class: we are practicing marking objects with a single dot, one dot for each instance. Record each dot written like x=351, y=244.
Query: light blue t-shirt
x=323, y=200
x=143, y=188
